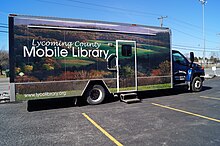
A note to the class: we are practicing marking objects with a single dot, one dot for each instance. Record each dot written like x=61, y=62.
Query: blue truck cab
x=187, y=72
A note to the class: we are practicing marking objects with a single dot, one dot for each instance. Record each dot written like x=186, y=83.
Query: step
x=128, y=94
x=129, y=97
x=131, y=100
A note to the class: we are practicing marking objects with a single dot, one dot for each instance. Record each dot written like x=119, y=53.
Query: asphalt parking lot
x=168, y=117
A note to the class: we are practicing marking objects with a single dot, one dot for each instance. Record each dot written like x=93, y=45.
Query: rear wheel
x=196, y=84
x=95, y=95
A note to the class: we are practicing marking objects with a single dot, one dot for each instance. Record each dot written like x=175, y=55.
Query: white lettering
x=42, y=52
x=73, y=52
x=95, y=53
x=53, y=49
x=84, y=54
x=105, y=52
x=63, y=52
x=32, y=51
x=49, y=50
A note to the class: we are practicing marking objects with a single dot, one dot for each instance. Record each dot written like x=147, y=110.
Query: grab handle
x=109, y=63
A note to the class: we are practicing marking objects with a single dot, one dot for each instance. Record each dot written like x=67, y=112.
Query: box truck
x=55, y=57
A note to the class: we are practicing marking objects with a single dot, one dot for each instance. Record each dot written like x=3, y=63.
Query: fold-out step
x=129, y=97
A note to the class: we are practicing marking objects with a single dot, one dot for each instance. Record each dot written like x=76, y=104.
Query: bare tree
x=214, y=57
x=4, y=60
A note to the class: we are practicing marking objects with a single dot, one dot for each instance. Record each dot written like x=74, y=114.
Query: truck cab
x=187, y=72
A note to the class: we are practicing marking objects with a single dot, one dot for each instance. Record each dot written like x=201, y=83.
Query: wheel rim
x=197, y=84
x=96, y=94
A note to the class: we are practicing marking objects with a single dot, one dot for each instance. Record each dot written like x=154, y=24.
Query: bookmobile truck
x=56, y=57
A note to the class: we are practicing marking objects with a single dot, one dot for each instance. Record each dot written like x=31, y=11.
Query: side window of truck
x=178, y=58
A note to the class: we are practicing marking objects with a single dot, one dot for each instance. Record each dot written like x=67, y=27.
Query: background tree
x=196, y=59
x=214, y=57
x=4, y=60
x=211, y=59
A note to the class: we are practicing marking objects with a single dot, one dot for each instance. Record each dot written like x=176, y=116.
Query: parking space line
x=189, y=113
x=102, y=130
x=207, y=97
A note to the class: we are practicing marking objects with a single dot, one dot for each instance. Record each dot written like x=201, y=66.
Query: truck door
x=180, y=67
x=126, y=64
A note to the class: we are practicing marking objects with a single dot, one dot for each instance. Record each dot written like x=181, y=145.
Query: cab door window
x=178, y=58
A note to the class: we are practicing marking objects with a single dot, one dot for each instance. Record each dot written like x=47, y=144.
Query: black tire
x=95, y=95
x=196, y=85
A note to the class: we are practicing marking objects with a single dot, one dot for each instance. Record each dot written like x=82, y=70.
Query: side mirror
x=191, y=57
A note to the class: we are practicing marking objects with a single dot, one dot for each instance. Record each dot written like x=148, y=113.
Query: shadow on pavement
x=204, y=88
x=56, y=103
x=166, y=92
x=160, y=93
x=46, y=104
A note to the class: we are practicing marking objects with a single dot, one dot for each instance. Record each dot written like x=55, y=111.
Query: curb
x=208, y=76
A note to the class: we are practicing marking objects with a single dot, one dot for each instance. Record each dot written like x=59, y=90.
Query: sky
x=184, y=18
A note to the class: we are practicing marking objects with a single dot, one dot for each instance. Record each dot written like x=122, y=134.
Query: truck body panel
x=55, y=57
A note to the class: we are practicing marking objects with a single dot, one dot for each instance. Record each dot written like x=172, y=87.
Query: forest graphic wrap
x=48, y=62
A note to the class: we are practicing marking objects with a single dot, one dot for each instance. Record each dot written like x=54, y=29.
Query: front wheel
x=196, y=84
x=95, y=95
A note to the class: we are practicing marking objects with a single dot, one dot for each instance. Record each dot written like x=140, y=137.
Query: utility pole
x=161, y=20
x=219, y=49
x=203, y=2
